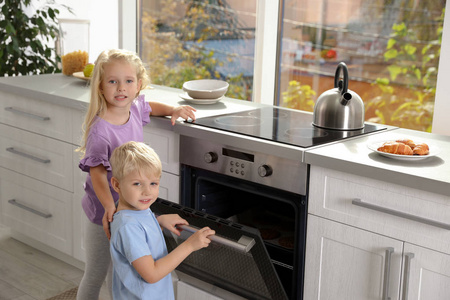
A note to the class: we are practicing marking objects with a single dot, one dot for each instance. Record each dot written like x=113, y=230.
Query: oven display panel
x=238, y=155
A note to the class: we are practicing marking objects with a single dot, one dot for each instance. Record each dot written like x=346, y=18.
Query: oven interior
x=278, y=217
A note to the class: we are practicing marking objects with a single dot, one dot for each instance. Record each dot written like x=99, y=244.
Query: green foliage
x=23, y=50
x=174, y=47
x=413, y=63
x=299, y=96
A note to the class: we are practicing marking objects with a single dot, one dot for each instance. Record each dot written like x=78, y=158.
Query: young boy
x=141, y=264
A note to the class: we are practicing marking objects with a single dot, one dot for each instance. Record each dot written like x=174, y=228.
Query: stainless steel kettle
x=339, y=108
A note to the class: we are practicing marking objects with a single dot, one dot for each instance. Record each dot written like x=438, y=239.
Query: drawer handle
x=41, y=160
x=32, y=210
x=24, y=113
x=244, y=244
x=400, y=214
x=408, y=258
x=387, y=271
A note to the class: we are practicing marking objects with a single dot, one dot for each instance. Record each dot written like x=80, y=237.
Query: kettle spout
x=345, y=98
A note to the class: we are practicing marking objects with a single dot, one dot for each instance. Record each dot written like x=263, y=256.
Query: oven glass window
x=279, y=217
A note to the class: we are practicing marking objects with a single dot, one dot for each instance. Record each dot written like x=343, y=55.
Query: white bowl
x=205, y=88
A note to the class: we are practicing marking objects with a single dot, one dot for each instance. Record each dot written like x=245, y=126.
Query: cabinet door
x=343, y=262
x=429, y=274
x=169, y=187
x=166, y=143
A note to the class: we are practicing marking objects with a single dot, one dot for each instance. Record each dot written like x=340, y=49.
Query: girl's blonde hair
x=135, y=156
x=97, y=104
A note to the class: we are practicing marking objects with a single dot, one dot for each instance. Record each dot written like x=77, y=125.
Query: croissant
x=408, y=142
x=421, y=149
x=396, y=148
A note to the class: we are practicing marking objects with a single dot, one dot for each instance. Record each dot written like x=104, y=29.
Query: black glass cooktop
x=281, y=125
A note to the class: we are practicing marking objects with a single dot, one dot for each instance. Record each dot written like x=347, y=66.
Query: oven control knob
x=264, y=170
x=210, y=157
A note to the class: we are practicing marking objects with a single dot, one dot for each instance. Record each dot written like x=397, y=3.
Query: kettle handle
x=343, y=89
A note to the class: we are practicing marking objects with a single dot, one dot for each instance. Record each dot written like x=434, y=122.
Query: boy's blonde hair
x=97, y=104
x=135, y=156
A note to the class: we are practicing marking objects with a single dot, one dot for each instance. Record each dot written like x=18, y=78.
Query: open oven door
x=236, y=259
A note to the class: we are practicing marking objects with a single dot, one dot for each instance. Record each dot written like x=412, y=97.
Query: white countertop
x=74, y=93
x=354, y=156
x=351, y=155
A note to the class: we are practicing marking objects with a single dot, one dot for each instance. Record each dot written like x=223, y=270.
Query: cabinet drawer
x=166, y=144
x=37, y=210
x=36, y=116
x=36, y=156
x=410, y=215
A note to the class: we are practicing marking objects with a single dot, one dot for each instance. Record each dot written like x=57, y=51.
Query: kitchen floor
x=29, y=274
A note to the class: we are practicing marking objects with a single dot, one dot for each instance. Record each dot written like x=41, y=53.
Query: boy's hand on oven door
x=200, y=239
x=170, y=222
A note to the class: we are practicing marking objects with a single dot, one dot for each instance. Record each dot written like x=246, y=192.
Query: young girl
x=116, y=115
x=141, y=264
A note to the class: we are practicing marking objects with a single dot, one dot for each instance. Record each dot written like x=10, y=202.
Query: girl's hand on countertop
x=183, y=111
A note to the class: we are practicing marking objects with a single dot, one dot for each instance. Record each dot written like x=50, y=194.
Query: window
x=391, y=48
x=187, y=40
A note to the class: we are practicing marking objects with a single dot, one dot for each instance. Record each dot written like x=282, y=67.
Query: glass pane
x=198, y=39
x=391, y=48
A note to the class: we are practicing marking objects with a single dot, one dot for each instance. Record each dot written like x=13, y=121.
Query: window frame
x=265, y=80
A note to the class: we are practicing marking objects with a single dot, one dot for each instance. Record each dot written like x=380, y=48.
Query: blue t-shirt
x=134, y=234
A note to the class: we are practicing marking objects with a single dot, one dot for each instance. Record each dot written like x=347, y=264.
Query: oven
x=245, y=177
x=234, y=191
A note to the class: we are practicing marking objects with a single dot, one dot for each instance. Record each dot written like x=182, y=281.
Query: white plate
x=80, y=75
x=188, y=98
x=433, y=152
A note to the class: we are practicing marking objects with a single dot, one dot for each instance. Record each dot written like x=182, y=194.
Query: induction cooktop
x=281, y=125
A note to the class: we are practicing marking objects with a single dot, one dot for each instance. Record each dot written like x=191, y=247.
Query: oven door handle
x=244, y=244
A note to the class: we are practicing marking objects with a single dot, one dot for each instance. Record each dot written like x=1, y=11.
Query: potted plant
x=25, y=50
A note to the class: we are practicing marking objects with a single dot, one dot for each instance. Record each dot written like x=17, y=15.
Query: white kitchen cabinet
x=37, y=210
x=353, y=221
x=343, y=262
x=79, y=217
x=429, y=274
x=37, y=172
x=169, y=187
x=166, y=144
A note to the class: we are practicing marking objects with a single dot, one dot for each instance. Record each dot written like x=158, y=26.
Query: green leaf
x=10, y=29
x=390, y=54
x=394, y=71
x=391, y=43
x=382, y=81
x=410, y=49
x=399, y=27
x=418, y=74
x=51, y=13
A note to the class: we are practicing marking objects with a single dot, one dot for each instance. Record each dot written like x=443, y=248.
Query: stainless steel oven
x=243, y=174
x=254, y=202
